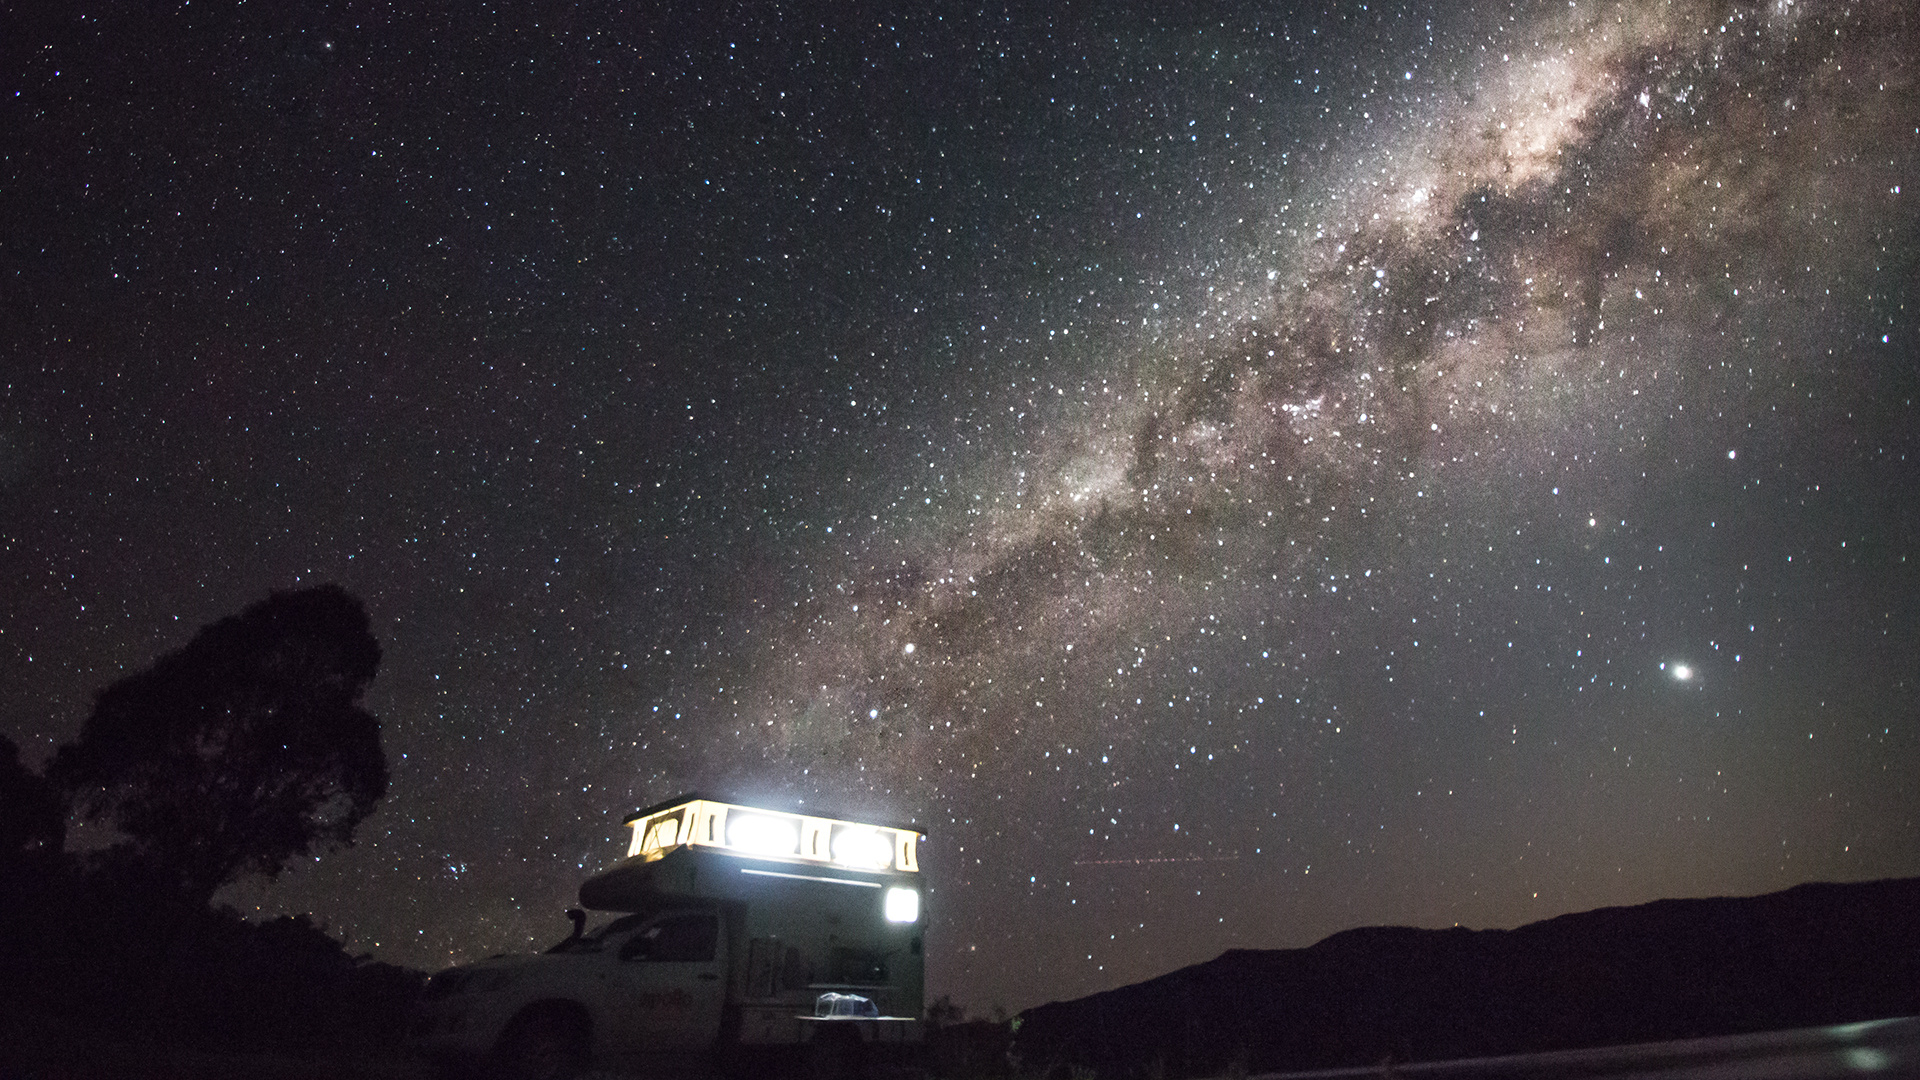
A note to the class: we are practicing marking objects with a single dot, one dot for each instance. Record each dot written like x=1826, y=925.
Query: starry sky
x=1230, y=472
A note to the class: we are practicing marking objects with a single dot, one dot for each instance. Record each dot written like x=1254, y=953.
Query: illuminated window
x=864, y=848
x=762, y=835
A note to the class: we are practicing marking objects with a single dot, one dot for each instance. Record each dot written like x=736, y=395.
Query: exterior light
x=903, y=905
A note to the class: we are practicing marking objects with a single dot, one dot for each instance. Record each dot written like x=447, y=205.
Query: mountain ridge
x=1815, y=954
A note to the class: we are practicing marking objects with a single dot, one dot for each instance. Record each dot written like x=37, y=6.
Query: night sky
x=1230, y=474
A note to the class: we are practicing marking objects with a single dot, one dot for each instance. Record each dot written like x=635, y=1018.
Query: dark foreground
x=42, y=1046
x=1888, y=1049
x=1792, y=984
x=1875, y=1048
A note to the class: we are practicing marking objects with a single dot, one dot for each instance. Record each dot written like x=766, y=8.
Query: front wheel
x=547, y=1045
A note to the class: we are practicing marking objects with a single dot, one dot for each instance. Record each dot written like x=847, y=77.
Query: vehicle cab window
x=593, y=940
x=676, y=936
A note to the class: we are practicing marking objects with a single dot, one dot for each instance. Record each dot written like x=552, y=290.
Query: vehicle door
x=668, y=982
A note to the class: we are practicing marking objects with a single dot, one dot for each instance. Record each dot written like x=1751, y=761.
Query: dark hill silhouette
x=1811, y=955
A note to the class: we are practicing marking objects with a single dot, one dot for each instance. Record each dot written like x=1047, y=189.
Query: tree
x=238, y=752
x=33, y=824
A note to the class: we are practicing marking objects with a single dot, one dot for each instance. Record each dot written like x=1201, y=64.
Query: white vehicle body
x=735, y=928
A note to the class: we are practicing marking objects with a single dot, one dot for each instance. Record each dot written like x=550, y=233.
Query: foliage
x=943, y=1012
x=238, y=752
x=32, y=821
x=113, y=967
x=968, y=1049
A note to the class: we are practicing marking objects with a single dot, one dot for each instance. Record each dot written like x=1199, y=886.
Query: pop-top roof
x=772, y=834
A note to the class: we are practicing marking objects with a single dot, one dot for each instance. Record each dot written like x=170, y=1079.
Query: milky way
x=1484, y=300
x=1305, y=469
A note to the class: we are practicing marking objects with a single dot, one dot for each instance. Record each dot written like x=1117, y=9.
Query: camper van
x=730, y=939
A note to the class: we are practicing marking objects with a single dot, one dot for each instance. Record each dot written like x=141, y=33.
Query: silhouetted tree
x=238, y=752
x=33, y=823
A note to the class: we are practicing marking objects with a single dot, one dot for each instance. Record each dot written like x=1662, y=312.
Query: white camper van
x=736, y=940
